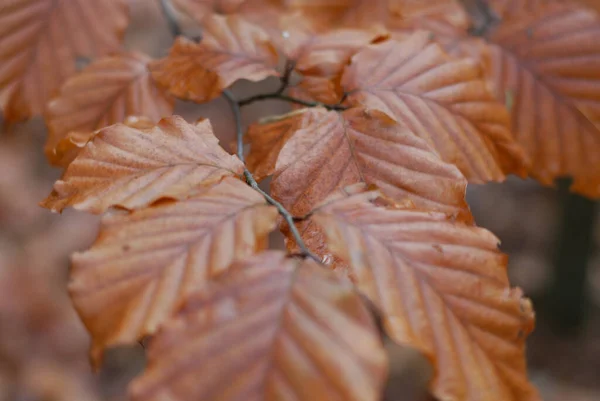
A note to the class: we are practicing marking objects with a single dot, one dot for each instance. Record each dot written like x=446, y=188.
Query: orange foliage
x=397, y=108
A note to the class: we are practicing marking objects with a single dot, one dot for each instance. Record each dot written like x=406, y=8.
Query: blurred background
x=552, y=237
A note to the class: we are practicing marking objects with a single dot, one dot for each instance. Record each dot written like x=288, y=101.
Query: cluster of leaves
x=398, y=107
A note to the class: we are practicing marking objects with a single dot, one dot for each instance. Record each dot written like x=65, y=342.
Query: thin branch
x=483, y=16
x=280, y=96
x=167, y=10
x=287, y=216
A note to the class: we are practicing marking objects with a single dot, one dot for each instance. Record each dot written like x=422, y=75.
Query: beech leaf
x=545, y=66
x=441, y=287
x=144, y=262
x=508, y=9
x=270, y=328
x=199, y=9
x=231, y=49
x=442, y=99
x=132, y=168
x=322, y=150
x=104, y=93
x=41, y=41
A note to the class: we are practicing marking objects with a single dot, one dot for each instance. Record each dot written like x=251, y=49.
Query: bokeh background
x=552, y=237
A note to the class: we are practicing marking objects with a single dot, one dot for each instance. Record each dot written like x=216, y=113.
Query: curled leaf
x=104, y=93
x=131, y=168
x=231, y=49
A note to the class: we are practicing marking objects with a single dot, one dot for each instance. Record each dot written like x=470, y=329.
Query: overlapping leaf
x=270, y=328
x=445, y=18
x=442, y=288
x=40, y=42
x=199, y=9
x=231, y=49
x=329, y=149
x=444, y=100
x=324, y=54
x=144, y=262
x=508, y=9
x=321, y=57
x=132, y=168
x=106, y=92
x=545, y=67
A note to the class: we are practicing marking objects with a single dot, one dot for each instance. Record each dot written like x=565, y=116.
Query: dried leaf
x=106, y=92
x=199, y=9
x=545, y=67
x=41, y=41
x=446, y=21
x=270, y=328
x=508, y=9
x=441, y=99
x=132, y=168
x=441, y=287
x=324, y=54
x=433, y=15
x=231, y=49
x=144, y=262
x=326, y=90
x=330, y=150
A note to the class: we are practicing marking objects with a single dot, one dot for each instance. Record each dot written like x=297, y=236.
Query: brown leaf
x=199, y=9
x=346, y=13
x=231, y=49
x=267, y=139
x=270, y=328
x=324, y=54
x=427, y=14
x=441, y=99
x=104, y=93
x=144, y=262
x=326, y=90
x=508, y=9
x=132, y=168
x=441, y=287
x=41, y=41
x=330, y=150
x=545, y=67
x=446, y=21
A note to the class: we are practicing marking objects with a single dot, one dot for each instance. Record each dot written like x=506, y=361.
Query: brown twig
x=287, y=216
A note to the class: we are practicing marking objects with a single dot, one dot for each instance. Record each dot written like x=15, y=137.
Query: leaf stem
x=281, y=96
x=287, y=216
x=482, y=15
x=167, y=10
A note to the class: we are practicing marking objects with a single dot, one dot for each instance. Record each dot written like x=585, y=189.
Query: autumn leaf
x=143, y=263
x=270, y=328
x=199, y=9
x=508, y=9
x=441, y=17
x=441, y=287
x=324, y=54
x=320, y=57
x=41, y=42
x=544, y=67
x=326, y=150
x=314, y=152
x=106, y=92
x=442, y=99
x=231, y=49
x=132, y=168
